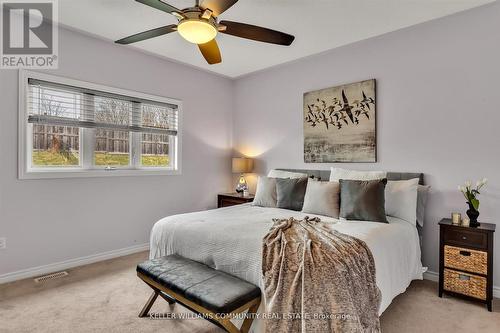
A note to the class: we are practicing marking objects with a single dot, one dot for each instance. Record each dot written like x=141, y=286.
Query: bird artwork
x=321, y=112
x=339, y=123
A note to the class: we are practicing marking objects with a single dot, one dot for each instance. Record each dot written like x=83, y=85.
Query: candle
x=465, y=221
x=455, y=218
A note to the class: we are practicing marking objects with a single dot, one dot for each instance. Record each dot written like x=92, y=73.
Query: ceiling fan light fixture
x=199, y=24
x=197, y=31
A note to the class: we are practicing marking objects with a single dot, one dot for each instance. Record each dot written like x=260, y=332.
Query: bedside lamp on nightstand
x=242, y=165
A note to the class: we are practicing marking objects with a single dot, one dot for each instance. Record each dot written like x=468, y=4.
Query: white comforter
x=230, y=239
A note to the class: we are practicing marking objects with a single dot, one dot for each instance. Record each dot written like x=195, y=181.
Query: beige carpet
x=107, y=296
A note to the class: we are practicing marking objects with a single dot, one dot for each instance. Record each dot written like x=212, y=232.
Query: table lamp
x=242, y=165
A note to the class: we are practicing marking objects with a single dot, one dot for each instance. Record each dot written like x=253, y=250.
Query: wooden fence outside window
x=57, y=138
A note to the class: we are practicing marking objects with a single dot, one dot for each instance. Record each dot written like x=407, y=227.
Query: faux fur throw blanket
x=317, y=279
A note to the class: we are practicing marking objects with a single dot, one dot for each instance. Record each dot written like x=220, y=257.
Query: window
x=70, y=128
x=154, y=146
x=112, y=147
x=54, y=146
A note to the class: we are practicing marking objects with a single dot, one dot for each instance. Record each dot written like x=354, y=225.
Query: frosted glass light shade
x=196, y=31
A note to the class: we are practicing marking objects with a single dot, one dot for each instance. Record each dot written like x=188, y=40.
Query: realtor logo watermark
x=29, y=34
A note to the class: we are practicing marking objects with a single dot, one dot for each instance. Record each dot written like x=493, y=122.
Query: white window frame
x=25, y=137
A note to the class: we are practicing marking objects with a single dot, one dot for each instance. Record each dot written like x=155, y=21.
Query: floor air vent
x=51, y=276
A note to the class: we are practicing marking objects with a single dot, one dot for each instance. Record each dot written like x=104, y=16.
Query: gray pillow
x=322, y=198
x=265, y=195
x=422, y=192
x=290, y=192
x=363, y=200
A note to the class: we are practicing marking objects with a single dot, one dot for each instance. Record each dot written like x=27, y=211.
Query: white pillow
x=338, y=173
x=322, y=198
x=286, y=174
x=401, y=199
x=422, y=192
x=265, y=195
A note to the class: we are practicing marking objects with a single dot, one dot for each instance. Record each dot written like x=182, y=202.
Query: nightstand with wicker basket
x=466, y=261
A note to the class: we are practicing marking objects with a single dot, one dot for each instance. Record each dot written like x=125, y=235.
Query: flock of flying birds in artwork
x=339, y=113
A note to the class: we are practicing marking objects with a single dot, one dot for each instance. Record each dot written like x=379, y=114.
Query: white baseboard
x=67, y=264
x=433, y=276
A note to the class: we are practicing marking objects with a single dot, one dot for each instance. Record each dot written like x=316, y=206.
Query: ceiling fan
x=199, y=25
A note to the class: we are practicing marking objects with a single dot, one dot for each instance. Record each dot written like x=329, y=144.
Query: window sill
x=78, y=173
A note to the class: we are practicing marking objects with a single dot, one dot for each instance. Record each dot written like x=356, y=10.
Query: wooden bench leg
x=229, y=326
x=167, y=298
x=145, y=310
x=248, y=320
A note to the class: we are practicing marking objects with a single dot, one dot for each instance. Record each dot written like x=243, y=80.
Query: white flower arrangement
x=471, y=193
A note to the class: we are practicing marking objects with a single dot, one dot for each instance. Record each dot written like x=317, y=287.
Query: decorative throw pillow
x=285, y=174
x=363, y=200
x=265, y=195
x=290, y=192
x=422, y=193
x=322, y=198
x=338, y=173
x=401, y=199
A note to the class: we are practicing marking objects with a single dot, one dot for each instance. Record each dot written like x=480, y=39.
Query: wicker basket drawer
x=466, y=259
x=465, y=284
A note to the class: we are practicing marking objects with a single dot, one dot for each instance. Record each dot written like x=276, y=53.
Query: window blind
x=63, y=105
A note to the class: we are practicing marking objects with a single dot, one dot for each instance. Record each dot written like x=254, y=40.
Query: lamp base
x=242, y=185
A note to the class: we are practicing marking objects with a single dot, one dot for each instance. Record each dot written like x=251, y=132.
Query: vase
x=473, y=214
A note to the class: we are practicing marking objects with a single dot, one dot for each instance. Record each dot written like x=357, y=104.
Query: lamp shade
x=242, y=165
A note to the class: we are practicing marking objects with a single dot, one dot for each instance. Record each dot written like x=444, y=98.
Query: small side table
x=231, y=199
x=466, y=261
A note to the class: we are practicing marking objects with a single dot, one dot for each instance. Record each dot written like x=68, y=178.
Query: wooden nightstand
x=231, y=199
x=466, y=261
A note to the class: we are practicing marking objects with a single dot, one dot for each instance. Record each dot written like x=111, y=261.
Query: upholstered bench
x=200, y=288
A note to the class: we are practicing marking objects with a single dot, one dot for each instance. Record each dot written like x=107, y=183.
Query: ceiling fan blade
x=148, y=34
x=254, y=32
x=217, y=6
x=165, y=7
x=211, y=52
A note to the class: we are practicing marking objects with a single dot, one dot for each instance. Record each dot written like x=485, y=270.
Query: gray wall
x=47, y=221
x=438, y=89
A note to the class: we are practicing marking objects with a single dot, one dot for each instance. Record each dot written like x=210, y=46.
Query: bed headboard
x=325, y=174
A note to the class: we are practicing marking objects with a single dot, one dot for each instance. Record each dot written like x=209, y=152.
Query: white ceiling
x=318, y=25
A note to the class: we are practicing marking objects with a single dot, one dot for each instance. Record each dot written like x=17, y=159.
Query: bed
x=230, y=239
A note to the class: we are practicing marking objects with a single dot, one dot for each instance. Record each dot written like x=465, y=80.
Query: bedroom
x=435, y=66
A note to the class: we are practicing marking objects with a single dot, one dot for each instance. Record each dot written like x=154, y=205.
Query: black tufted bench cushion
x=200, y=288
